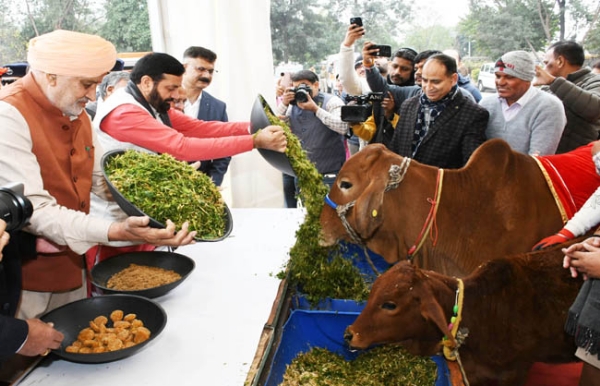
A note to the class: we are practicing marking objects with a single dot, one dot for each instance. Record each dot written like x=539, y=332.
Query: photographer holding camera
x=30, y=337
x=315, y=118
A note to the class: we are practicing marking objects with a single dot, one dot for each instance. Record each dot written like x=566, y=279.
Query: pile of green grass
x=167, y=189
x=384, y=365
x=318, y=272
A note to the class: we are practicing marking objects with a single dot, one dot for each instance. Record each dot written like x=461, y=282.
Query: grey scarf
x=583, y=321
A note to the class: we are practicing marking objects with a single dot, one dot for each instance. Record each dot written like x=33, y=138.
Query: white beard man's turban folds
x=72, y=54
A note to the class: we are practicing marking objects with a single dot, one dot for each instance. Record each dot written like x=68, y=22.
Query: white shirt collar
x=192, y=109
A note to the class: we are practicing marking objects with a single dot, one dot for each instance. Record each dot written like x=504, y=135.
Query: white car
x=487, y=77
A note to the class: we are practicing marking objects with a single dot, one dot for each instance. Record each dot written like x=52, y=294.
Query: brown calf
x=514, y=309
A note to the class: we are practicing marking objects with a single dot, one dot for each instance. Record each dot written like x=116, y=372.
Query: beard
x=160, y=105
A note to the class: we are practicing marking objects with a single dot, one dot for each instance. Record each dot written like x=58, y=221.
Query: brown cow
x=499, y=204
x=514, y=309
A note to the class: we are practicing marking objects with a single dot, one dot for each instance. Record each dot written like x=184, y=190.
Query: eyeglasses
x=202, y=69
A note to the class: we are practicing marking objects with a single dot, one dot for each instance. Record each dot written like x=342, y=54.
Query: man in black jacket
x=25, y=337
x=441, y=127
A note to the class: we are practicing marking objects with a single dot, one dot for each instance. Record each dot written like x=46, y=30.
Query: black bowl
x=132, y=210
x=104, y=270
x=259, y=120
x=71, y=318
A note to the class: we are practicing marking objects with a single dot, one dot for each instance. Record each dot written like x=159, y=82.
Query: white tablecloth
x=215, y=317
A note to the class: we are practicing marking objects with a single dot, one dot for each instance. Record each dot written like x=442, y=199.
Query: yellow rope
x=449, y=348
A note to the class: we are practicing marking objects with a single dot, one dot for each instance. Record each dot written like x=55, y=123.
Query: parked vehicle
x=487, y=78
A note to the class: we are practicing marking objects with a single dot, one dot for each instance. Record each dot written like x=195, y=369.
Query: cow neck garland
x=396, y=173
x=430, y=221
x=450, y=350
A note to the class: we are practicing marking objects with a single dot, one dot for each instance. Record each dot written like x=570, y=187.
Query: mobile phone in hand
x=357, y=21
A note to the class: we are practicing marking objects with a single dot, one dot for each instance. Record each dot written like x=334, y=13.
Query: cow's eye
x=345, y=185
x=388, y=306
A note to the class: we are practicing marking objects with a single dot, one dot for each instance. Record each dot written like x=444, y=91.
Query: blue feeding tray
x=325, y=329
x=259, y=120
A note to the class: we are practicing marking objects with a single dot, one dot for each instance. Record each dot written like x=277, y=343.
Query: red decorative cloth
x=571, y=177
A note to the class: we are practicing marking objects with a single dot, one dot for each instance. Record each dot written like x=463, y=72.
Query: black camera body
x=383, y=50
x=301, y=93
x=15, y=208
x=361, y=108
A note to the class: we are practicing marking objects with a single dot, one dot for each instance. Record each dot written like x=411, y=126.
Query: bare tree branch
x=30, y=16
x=64, y=13
x=592, y=24
x=544, y=20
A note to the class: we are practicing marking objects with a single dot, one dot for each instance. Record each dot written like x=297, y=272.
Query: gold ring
x=45, y=353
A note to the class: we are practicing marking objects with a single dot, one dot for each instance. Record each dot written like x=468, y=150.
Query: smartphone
x=384, y=51
x=357, y=21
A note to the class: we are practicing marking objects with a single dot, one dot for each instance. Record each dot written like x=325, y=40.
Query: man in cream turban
x=47, y=143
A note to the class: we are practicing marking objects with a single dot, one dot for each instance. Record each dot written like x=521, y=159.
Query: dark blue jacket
x=465, y=83
x=212, y=109
x=13, y=331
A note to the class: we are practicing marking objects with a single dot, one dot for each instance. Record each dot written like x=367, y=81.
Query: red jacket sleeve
x=189, y=140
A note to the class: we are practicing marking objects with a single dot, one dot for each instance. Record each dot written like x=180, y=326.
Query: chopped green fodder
x=165, y=188
x=319, y=272
x=384, y=365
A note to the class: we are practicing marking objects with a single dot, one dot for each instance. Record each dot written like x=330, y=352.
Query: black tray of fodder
x=132, y=210
x=259, y=120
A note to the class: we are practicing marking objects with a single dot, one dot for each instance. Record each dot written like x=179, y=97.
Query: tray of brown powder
x=149, y=274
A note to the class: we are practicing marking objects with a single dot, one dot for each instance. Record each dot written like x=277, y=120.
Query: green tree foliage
x=308, y=31
x=506, y=25
x=12, y=48
x=44, y=16
x=127, y=25
x=123, y=22
x=436, y=37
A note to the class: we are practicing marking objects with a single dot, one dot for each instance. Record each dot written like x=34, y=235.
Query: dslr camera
x=15, y=208
x=360, y=107
x=301, y=93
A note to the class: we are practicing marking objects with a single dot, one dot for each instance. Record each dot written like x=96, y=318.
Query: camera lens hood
x=15, y=208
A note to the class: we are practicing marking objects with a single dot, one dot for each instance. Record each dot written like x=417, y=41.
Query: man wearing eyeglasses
x=199, y=63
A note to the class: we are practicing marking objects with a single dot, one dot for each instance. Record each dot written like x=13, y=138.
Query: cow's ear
x=432, y=311
x=369, y=214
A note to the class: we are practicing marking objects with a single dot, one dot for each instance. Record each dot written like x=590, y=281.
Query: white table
x=215, y=317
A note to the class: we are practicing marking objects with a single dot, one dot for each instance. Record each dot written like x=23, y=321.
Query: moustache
x=205, y=80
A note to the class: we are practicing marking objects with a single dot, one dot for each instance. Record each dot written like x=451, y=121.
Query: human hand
x=4, y=238
x=583, y=258
x=353, y=33
x=542, y=77
x=368, y=54
x=43, y=245
x=560, y=237
x=271, y=138
x=388, y=105
x=137, y=229
x=288, y=96
x=41, y=338
x=309, y=105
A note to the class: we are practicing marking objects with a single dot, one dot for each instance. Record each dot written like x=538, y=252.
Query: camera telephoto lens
x=301, y=96
x=15, y=208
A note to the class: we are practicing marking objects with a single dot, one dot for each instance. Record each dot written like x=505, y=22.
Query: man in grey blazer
x=199, y=64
